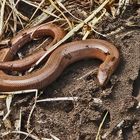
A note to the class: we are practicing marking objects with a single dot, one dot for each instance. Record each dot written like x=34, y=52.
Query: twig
x=70, y=33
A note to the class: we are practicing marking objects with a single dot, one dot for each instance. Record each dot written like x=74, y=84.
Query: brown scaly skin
x=25, y=36
x=59, y=60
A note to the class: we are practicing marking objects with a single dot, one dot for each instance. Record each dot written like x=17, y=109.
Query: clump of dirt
x=80, y=119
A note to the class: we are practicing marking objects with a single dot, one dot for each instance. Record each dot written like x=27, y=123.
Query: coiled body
x=60, y=59
x=25, y=36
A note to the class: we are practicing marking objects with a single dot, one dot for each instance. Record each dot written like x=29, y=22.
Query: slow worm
x=25, y=36
x=59, y=60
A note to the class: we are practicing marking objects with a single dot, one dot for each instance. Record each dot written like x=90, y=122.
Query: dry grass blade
x=117, y=126
x=14, y=16
x=3, y=96
x=92, y=24
x=62, y=6
x=88, y=73
x=18, y=122
x=41, y=18
x=58, y=99
x=99, y=129
x=23, y=133
x=54, y=137
x=19, y=92
x=12, y=5
x=5, y=117
x=86, y=35
x=122, y=6
x=53, y=4
x=8, y=102
x=4, y=43
x=69, y=34
x=45, y=11
x=37, y=9
x=2, y=17
x=13, y=10
x=96, y=20
x=8, y=105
